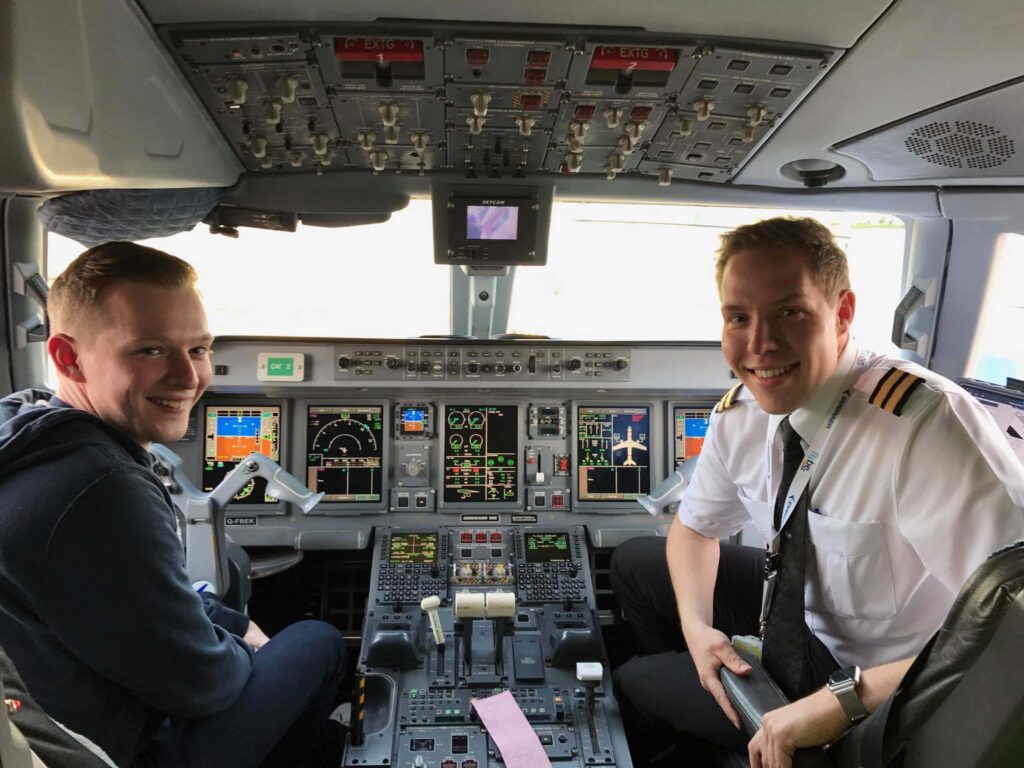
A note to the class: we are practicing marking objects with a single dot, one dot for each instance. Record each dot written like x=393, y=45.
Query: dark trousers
x=659, y=690
x=280, y=718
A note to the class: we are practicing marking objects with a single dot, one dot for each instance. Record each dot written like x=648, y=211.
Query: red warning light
x=477, y=57
x=382, y=49
x=623, y=57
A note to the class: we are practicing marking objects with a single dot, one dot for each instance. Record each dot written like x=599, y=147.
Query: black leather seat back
x=962, y=701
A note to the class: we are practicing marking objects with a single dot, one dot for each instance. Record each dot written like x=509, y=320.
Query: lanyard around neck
x=810, y=459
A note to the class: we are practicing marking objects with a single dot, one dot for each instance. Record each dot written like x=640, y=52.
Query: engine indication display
x=234, y=432
x=691, y=427
x=413, y=548
x=344, y=452
x=481, y=447
x=612, y=456
x=547, y=547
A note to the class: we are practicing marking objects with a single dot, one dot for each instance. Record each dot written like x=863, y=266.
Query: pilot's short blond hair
x=809, y=237
x=78, y=291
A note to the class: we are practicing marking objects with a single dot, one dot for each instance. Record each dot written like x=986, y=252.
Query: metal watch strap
x=846, y=692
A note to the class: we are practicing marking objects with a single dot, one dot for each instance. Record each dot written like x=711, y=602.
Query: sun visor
x=100, y=216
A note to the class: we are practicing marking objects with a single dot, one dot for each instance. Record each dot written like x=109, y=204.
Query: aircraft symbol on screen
x=629, y=444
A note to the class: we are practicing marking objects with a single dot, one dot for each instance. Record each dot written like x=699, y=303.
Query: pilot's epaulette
x=728, y=399
x=894, y=390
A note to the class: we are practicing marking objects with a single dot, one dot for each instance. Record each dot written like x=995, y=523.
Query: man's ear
x=846, y=305
x=64, y=354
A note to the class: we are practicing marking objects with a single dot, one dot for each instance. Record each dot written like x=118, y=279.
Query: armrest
x=752, y=695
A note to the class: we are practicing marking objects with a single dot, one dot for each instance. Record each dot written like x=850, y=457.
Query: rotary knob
x=621, y=364
x=344, y=361
x=472, y=367
x=575, y=364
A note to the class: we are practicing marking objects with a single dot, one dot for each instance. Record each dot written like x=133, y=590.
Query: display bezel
x=670, y=426
x=300, y=424
x=655, y=441
x=202, y=413
x=442, y=435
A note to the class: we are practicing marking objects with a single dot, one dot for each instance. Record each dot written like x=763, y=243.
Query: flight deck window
x=615, y=272
x=999, y=349
x=373, y=281
x=619, y=271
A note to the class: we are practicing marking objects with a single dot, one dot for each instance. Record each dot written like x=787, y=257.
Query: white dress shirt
x=902, y=508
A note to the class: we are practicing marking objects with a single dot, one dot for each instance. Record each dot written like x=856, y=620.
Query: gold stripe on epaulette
x=894, y=390
x=728, y=399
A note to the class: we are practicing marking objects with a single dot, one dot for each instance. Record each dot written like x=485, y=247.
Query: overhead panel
x=498, y=102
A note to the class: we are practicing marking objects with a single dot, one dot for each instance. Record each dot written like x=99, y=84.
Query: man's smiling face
x=781, y=334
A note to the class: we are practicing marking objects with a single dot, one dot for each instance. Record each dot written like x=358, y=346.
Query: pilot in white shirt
x=886, y=566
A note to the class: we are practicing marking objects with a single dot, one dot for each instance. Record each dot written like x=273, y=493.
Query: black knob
x=397, y=607
x=472, y=367
x=411, y=366
x=391, y=362
x=517, y=367
x=434, y=571
x=573, y=570
x=556, y=367
x=575, y=364
x=621, y=364
x=344, y=361
x=567, y=605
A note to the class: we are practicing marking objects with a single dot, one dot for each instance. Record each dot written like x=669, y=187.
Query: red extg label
x=377, y=49
x=633, y=57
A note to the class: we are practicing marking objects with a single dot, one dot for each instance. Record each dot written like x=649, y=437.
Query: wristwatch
x=843, y=683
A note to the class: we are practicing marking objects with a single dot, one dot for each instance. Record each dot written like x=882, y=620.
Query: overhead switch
x=613, y=116
x=476, y=125
x=525, y=124
x=286, y=88
x=237, y=89
x=272, y=112
x=704, y=108
x=480, y=101
x=388, y=114
x=258, y=146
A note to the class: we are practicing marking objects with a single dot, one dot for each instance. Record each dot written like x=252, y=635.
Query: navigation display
x=480, y=450
x=344, y=452
x=413, y=548
x=492, y=222
x=612, y=456
x=691, y=427
x=232, y=433
x=547, y=547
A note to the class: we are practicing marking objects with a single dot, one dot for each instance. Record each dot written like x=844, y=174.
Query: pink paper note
x=515, y=737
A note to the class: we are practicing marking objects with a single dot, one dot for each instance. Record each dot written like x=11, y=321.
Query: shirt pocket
x=760, y=515
x=854, y=571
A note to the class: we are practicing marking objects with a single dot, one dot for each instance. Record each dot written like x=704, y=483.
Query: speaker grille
x=960, y=144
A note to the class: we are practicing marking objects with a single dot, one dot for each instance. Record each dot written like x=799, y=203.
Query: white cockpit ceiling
x=831, y=23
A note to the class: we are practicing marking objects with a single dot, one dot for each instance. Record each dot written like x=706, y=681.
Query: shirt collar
x=807, y=418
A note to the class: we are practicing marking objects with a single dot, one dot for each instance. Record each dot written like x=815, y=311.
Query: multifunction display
x=547, y=547
x=612, y=452
x=691, y=427
x=413, y=548
x=480, y=450
x=234, y=432
x=344, y=451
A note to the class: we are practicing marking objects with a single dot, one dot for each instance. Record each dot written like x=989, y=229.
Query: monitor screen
x=414, y=420
x=547, y=547
x=691, y=427
x=613, y=460
x=232, y=433
x=481, y=445
x=344, y=452
x=492, y=222
x=413, y=548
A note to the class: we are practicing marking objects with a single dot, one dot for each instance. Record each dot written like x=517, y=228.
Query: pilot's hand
x=812, y=721
x=254, y=637
x=711, y=650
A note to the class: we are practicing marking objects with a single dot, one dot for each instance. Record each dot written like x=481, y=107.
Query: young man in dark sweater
x=96, y=609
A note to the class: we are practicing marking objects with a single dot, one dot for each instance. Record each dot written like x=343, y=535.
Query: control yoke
x=206, y=551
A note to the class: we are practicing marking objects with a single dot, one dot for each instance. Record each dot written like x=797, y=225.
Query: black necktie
x=792, y=655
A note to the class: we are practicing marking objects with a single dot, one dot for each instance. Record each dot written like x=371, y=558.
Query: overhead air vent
x=974, y=137
x=961, y=144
